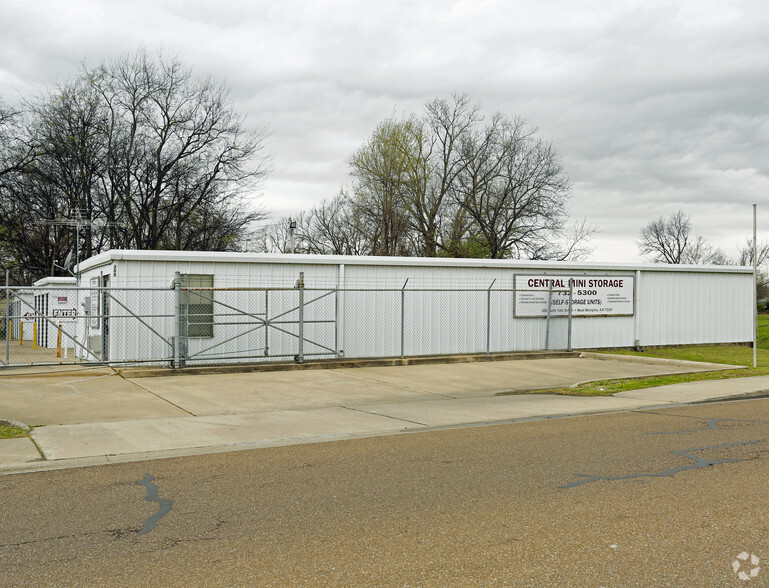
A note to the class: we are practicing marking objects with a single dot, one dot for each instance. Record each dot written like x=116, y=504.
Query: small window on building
x=198, y=305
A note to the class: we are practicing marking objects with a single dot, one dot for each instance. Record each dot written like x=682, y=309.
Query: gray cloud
x=654, y=106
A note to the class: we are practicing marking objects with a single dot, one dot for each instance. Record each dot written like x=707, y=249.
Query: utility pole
x=79, y=219
x=755, y=292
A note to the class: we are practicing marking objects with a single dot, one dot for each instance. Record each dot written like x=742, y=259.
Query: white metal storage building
x=387, y=306
x=52, y=300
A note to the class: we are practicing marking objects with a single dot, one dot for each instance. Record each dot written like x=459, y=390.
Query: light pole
x=755, y=292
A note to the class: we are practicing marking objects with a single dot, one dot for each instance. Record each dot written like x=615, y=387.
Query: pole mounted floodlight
x=291, y=229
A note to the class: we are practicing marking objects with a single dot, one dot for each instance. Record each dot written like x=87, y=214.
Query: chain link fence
x=194, y=323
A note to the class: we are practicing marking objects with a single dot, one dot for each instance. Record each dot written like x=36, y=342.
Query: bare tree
x=433, y=211
x=270, y=237
x=333, y=227
x=568, y=244
x=24, y=244
x=451, y=183
x=666, y=239
x=141, y=151
x=700, y=252
x=514, y=187
x=745, y=254
x=670, y=240
x=17, y=147
x=175, y=146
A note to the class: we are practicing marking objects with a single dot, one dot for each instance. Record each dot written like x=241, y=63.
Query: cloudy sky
x=653, y=106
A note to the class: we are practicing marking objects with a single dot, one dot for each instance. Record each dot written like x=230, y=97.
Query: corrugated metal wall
x=687, y=307
x=672, y=307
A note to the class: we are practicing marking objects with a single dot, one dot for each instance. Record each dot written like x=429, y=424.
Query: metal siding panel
x=690, y=308
x=675, y=307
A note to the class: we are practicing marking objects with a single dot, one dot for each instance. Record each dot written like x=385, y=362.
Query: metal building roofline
x=56, y=281
x=236, y=257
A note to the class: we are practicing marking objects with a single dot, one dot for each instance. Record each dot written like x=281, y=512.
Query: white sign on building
x=590, y=295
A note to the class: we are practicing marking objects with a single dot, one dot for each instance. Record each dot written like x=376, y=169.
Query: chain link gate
x=191, y=323
x=257, y=323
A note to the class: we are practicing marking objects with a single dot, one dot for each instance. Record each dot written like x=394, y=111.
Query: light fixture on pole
x=291, y=229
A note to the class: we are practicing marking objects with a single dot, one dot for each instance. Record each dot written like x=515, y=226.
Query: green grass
x=728, y=354
x=763, y=331
x=608, y=387
x=724, y=354
x=11, y=432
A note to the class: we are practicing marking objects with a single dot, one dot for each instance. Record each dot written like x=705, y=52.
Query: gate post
x=177, y=318
x=571, y=297
x=549, y=306
x=7, y=320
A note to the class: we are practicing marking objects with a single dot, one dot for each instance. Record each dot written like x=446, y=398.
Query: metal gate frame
x=89, y=356
x=263, y=321
x=175, y=349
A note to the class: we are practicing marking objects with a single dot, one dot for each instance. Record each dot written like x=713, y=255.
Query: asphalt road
x=668, y=497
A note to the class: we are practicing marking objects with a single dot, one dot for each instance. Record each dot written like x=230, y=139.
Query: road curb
x=83, y=373
x=741, y=396
x=660, y=361
x=18, y=424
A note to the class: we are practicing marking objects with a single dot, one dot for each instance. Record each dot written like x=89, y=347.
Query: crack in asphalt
x=114, y=533
x=46, y=540
x=698, y=463
x=118, y=534
x=171, y=542
x=710, y=424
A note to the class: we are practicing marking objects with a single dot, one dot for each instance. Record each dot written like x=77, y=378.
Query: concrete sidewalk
x=95, y=416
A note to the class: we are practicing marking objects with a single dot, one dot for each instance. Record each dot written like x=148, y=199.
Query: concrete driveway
x=98, y=416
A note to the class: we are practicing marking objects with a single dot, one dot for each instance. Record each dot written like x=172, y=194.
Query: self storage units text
x=260, y=307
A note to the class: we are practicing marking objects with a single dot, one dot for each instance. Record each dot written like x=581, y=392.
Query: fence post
x=403, y=318
x=341, y=300
x=300, y=284
x=7, y=320
x=488, y=317
x=177, y=318
x=571, y=297
x=549, y=306
x=266, y=322
x=637, y=311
